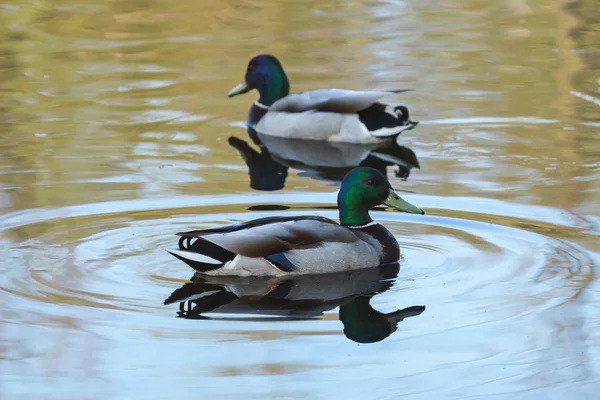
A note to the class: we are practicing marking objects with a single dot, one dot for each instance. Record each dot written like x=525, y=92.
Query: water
x=115, y=132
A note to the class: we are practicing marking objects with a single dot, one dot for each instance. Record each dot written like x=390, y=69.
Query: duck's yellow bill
x=239, y=89
x=397, y=202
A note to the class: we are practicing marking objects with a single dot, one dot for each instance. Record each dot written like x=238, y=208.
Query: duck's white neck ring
x=260, y=105
x=362, y=226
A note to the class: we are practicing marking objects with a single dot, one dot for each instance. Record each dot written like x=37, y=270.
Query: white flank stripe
x=189, y=255
x=396, y=130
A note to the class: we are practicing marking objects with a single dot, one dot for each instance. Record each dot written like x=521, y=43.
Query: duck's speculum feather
x=281, y=262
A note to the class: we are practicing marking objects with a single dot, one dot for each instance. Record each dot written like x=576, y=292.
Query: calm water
x=115, y=132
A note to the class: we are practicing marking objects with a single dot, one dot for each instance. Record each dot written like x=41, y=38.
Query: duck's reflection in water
x=298, y=298
x=318, y=160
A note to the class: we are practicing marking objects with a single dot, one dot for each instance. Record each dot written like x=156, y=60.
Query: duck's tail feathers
x=197, y=261
x=205, y=247
x=388, y=133
x=382, y=123
x=201, y=255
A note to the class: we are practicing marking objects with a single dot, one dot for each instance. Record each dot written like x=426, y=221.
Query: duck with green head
x=303, y=244
x=324, y=115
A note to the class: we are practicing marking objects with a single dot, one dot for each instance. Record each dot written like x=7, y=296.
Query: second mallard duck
x=334, y=115
x=303, y=244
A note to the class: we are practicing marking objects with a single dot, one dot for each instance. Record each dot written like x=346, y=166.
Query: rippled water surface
x=116, y=132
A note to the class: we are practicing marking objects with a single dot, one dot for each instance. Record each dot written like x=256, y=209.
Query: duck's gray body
x=277, y=246
x=334, y=115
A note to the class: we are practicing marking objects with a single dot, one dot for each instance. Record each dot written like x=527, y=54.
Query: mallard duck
x=334, y=115
x=276, y=246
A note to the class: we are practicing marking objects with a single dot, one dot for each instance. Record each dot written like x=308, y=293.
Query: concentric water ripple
x=101, y=272
x=118, y=259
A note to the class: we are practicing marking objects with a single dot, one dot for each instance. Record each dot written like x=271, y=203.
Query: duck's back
x=293, y=245
x=329, y=100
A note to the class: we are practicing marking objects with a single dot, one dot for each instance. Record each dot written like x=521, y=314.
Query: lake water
x=116, y=132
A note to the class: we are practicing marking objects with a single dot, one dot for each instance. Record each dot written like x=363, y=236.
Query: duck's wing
x=271, y=237
x=331, y=100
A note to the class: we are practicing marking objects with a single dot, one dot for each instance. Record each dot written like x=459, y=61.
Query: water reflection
x=113, y=134
x=298, y=298
x=268, y=167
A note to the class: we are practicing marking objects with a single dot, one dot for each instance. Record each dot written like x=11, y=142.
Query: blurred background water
x=116, y=132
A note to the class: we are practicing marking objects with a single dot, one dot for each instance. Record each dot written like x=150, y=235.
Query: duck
x=333, y=115
x=306, y=244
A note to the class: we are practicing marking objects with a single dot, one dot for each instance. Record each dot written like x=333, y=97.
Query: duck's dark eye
x=371, y=182
x=251, y=67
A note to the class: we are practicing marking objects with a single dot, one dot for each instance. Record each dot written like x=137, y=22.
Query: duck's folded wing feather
x=270, y=236
x=331, y=100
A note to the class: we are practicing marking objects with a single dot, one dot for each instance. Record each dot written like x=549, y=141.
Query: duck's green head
x=364, y=188
x=265, y=74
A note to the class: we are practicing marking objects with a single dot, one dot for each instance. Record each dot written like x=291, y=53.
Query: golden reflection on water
x=107, y=101
x=140, y=90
